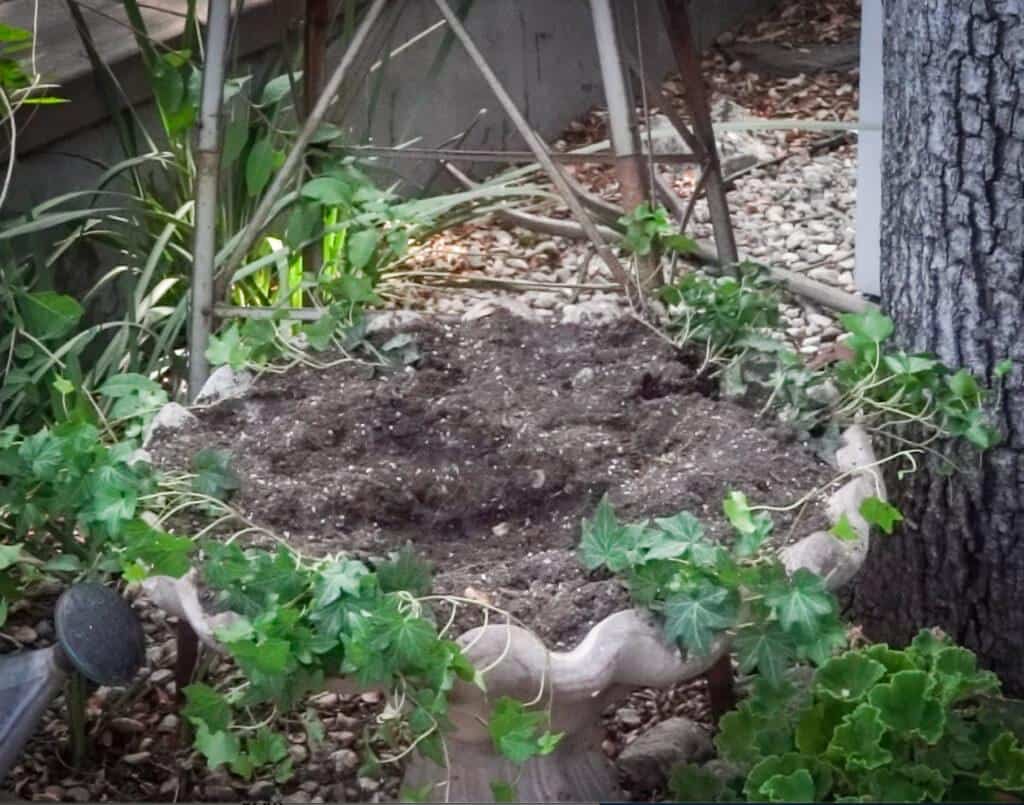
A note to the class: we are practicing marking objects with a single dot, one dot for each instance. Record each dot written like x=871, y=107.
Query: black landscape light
x=99, y=637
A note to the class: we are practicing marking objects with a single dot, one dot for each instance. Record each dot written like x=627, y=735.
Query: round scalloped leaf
x=908, y=708
x=849, y=677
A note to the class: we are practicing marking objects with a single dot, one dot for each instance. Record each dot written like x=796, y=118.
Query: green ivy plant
x=705, y=590
x=724, y=316
x=876, y=724
x=650, y=231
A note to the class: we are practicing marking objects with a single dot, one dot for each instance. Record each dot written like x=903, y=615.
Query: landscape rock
x=648, y=761
x=224, y=384
x=170, y=417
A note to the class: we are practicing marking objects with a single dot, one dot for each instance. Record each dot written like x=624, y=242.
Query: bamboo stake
x=207, y=184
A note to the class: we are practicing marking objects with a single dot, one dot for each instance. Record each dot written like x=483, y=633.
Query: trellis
x=633, y=166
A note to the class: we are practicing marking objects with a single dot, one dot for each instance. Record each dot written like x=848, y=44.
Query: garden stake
x=76, y=718
x=184, y=668
x=721, y=687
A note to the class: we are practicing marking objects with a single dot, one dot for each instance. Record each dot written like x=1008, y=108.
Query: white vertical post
x=869, y=151
x=207, y=180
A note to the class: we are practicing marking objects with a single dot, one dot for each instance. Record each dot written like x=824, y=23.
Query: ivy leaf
x=42, y=452
x=848, y=678
x=694, y=616
x=605, y=541
x=843, y=530
x=204, y=705
x=339, y=577
x=266, y=747
x=405, y=572
x=753, y=529
x=857, y=742
x=801, y=603
x=877, y=512
x=271, y=656
x=906, y=706
x=162, y=553
x=218, y=747
x=766, y=648
x=215, y=476
x=674, y=538
x=515, y=730
x=227, y=348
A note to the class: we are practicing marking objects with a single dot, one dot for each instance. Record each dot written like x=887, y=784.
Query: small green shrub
x=921, y=724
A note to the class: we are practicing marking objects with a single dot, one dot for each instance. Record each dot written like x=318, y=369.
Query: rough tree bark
x=953, y=281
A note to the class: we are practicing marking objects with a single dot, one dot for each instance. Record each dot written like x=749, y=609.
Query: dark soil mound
x=487, y=456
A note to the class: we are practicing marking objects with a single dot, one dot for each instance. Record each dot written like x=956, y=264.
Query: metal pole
x=207, y=179
x=676, y=14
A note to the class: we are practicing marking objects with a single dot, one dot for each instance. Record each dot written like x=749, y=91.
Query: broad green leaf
x=964, y=386
x=871, y=325
x=801, y=603
x=328, y=190
x=162, y=553
x=1003, y=368
x=355, y=289
x=877, y=512
x=218, y=747
x=1005, y=770
x=785, y=765
x=42, y=452
x=694, y=616
x=907, y=707
x=797, y=786
x=857, y=742
x=49, y=315
x=10, y=555
x=753, y=528
x=848, y=678
x=65, y=563
x=278, y=87
x=204, y=705
x=3, y=610
x=258, y=166
x=361, y=247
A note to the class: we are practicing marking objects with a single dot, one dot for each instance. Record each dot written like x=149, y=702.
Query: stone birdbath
x=624, y=652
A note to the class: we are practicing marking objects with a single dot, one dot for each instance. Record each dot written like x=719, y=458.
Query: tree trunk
x=953, y=280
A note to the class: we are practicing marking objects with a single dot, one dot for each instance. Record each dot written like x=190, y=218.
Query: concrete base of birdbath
x=624, y=652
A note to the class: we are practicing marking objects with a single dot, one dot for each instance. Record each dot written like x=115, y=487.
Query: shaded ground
x=487, y=457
